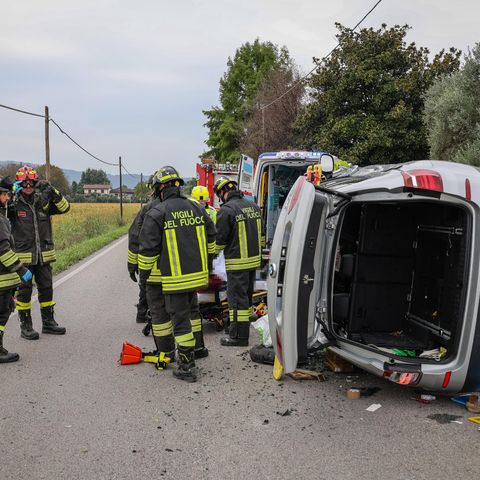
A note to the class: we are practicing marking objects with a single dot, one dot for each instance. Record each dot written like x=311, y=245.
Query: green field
x=87, y=227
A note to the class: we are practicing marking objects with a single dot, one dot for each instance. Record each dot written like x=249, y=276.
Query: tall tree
x=92, y=176
x=452, y=113
x=366, y=100
x=239, y=86
x=278, y=102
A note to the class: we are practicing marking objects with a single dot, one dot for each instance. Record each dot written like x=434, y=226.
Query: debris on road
x=337, y=364
x=373, y=407
x=425, y=398
x=443, y=418
x=353, y=393
x=300, y=374
x=473, y=403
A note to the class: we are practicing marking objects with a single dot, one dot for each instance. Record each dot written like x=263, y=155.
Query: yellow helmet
x=200, y=193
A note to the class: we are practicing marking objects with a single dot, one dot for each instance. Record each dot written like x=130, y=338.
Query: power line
x=127, y=172
x=322, y=59
x=79, y=146
x=23, y=111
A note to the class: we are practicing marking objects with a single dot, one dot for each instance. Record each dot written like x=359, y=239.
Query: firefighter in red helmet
x=30, y=214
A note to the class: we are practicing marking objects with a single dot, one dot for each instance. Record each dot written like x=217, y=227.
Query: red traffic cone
x=130, y=354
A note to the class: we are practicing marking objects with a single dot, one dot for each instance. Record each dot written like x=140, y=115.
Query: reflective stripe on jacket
x=32, y=225
x=239, y=232
x=10, y=266
x=133, y=240
x=178, y=236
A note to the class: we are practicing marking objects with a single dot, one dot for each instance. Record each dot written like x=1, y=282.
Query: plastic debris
x=373, y=407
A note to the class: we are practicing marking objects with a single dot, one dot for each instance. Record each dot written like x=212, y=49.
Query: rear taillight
x=423, y=180
x=402, y=378
x=446, y=380
x=296, y=193
x=468, y=189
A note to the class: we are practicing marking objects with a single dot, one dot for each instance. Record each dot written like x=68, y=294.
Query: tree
x=10, y=169
x=239, y=86
x=142, y=191
x=452, y=113
x=366, y=100
x=189, y=184
x=91, y=176
x=272, y=128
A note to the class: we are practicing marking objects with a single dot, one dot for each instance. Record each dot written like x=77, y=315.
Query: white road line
x=83, y=267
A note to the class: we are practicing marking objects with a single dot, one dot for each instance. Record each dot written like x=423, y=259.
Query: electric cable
x=298, y=82
x=79, y=146
x=22, y=111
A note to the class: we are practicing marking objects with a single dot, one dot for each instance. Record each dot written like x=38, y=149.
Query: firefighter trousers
x=240, y=285
x=44, y=279
x=163, y=326
x=142, y=305
x=7, y=306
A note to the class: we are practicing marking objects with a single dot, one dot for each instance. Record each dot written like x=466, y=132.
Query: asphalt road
x=69, y=411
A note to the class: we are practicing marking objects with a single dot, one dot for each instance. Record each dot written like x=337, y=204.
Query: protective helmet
x=200, y=193
x=226, y=183
x=166, y=175
x=26, y=173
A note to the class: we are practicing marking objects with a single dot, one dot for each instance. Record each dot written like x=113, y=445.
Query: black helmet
x=166, y=175
x=6, y=184
x=226, y=183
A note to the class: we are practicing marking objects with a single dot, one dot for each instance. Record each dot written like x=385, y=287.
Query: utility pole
x=141, y=189
x=121, y=188
x=47, y=145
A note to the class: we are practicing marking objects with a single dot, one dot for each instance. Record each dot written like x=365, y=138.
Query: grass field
x=87, y=227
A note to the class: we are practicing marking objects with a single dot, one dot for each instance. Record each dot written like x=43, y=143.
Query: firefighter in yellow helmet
x=178, y=236
x=201, y=195
x=239, y=235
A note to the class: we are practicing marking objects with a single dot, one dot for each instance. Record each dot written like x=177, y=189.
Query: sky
x=131, y=79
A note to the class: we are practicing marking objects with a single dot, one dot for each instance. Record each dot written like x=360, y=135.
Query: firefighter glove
x=133, y=271
x=17, y=186
x=27, y=276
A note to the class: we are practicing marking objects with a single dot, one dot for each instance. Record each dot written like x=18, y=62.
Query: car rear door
x=297, y=272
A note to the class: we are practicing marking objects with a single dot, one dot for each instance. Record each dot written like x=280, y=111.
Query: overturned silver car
x=381, y=264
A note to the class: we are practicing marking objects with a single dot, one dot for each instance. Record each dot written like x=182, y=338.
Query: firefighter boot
x=200, y=350
x=26, y=326
x=5, y=356
x=238, y=335
x=185, y=369
x=50, y=326
x=165, y=344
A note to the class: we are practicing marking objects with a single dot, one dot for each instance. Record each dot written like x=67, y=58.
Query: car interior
x=400, y=274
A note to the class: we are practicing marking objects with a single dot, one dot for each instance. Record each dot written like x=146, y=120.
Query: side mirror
x=327, y=163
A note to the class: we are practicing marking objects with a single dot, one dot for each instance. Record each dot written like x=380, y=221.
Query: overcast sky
x=132, y=78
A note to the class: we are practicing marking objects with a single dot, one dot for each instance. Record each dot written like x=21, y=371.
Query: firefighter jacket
x=212, y=212
x=11, y=269
x=134, y=242
x=179, y=236
x=32, y=226
x=239, y=233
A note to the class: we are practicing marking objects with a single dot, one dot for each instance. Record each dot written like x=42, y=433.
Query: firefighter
x=132, y=262
x=239, y=236
x=12, y=271
x=201, y=195
x=178, y=236
x=30, y=214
